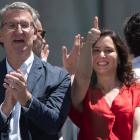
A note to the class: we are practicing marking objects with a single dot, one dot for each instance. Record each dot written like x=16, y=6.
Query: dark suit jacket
x=51, y=90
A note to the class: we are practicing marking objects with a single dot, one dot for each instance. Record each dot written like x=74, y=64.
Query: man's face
x=18, y=41
x=39, y=42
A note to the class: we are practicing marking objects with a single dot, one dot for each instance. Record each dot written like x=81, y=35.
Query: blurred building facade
x=64, y=19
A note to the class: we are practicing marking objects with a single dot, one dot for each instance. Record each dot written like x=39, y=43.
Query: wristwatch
x=28, y=103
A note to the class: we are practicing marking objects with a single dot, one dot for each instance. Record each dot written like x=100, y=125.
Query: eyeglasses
x=26, y=26
x=43, y=33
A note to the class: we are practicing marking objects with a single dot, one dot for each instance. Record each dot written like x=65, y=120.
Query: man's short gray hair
x=19, y=6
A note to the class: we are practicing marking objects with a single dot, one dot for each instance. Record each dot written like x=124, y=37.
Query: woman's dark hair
x=131, y=29
x=125, y=71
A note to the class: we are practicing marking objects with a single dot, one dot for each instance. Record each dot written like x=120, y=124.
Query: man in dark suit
x=34, y=96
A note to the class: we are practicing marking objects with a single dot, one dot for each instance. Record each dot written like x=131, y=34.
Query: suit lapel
x=34, y=73
x=33, y=76
x=3, y=72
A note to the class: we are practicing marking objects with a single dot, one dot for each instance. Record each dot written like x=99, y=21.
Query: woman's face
x=105, y=56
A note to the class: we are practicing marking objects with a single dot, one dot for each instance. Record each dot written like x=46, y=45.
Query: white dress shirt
x=136, y=67
x=14, y=130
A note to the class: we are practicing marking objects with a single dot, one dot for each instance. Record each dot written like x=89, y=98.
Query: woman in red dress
x=110, y=108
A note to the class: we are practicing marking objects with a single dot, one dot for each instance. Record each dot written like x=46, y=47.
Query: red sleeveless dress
x=99, y=121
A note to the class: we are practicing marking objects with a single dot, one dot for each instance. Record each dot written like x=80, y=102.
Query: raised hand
x=45, y=52
x=70, y=61
x=17, y=87
x=84, y=69
x=94, y=33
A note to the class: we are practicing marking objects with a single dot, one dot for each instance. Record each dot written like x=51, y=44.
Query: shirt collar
x=136, y=60
x=26, y=65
